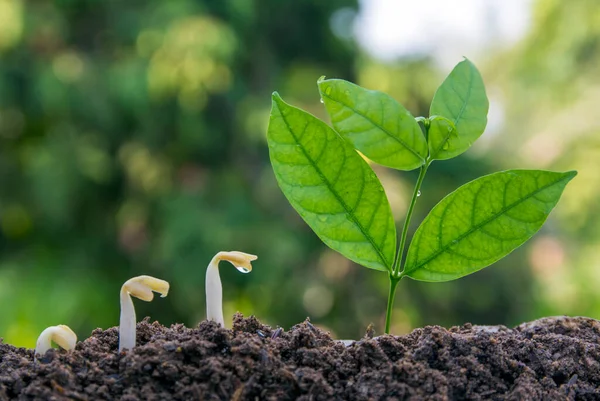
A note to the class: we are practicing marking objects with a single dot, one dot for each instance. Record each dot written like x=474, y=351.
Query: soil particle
x=548, y=359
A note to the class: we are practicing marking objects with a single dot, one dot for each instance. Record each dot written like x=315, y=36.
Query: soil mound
x=548, y=359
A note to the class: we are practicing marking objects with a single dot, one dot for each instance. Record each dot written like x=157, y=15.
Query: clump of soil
x=549, y=359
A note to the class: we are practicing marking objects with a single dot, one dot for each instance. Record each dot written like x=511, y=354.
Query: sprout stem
x=214, y=289
x=388, y=315
x=140, y=287
x=395, y=274
x=411, y=207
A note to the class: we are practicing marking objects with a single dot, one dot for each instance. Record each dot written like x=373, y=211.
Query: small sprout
x=62, y=335
x=214, y=290
x=276, y=333
x=140, y=287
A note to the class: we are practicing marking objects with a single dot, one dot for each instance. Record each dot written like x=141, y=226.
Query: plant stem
x=416, y=194
x=395, y=275
x=390, y=305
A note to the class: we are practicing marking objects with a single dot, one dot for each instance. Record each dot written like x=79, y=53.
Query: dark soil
x=549, y=359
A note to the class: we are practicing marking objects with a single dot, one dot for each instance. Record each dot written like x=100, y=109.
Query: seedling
x=214, y=291
x=339, y=196
x=62, y=335
x=140, y=287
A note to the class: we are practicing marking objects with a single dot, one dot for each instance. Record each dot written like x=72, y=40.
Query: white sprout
x=140, y=287
x=62, y=335
x=214, y=290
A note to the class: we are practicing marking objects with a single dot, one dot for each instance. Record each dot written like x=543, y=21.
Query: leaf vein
x=467, y=96
x=372, y=218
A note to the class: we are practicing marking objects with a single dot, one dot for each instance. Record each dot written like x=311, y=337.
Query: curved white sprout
x=140, y=287
x=62, y=335
x=214, y=290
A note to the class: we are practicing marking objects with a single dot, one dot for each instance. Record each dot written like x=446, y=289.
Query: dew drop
x=419, y=193
x=321, y=100
x=446, y=146
x=242, y=269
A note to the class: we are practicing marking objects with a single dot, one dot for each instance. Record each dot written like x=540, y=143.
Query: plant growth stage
x=338, y=195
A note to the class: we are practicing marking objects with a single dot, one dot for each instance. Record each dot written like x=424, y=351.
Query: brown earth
x=549, y=359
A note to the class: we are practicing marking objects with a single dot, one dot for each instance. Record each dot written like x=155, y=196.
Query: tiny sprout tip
x=214, y=291
x=62, y=335
x=141, y=287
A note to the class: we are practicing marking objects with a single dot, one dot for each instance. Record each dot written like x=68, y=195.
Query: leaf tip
x=468, y=62
x=323, y=84
x=571, y=174
x=276, y=99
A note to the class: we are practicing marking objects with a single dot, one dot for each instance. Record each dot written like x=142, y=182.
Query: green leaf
x=481, y=222
x=461, y=99
x=376, y=125
x=331, y=187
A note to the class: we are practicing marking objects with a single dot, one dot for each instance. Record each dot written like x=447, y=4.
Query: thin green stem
x=411, y=207
x=395, y=274
x=390, y=305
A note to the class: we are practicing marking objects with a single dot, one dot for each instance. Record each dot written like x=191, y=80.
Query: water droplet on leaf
x=321, y=100
x=446, y=146
x=418, y=193
x=242, y=269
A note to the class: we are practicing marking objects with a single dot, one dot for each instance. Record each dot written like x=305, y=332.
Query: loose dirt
x=548, y=359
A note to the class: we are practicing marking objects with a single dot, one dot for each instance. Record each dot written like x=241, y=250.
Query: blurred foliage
x=132, y=141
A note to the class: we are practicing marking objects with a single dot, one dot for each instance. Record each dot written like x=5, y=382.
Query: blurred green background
x=132, y=141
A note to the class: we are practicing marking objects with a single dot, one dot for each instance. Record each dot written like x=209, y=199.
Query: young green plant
x=339, y=196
